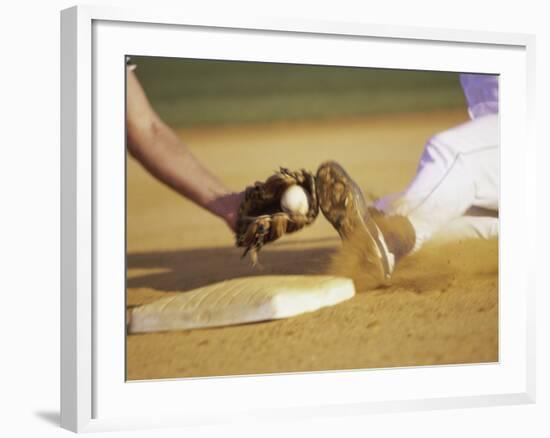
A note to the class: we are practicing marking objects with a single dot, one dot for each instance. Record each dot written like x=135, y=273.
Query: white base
x=241, y=300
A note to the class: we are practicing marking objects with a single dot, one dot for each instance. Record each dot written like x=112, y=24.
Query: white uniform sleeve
x=481, y=91
x=129, y=64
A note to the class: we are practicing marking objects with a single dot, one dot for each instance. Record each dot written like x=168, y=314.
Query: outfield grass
x=198, y=92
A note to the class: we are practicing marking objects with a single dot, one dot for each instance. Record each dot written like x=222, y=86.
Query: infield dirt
x=442, y=306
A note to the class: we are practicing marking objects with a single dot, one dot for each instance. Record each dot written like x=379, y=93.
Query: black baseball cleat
x=344, y=205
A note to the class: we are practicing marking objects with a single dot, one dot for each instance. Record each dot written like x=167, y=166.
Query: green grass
x=195, y=92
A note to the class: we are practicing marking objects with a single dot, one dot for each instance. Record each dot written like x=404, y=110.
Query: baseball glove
x=262, y=220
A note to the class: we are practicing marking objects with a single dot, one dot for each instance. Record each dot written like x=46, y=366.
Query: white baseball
x=294, y=200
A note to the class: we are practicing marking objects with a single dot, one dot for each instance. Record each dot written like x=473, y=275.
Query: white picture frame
x=94, y=395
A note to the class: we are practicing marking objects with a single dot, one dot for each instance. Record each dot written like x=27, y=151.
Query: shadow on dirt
x=188, y=269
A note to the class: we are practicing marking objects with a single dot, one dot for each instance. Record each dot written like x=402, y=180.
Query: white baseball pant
x=455, y=192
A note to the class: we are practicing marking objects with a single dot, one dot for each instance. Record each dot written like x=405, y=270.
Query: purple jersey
x=481, y=93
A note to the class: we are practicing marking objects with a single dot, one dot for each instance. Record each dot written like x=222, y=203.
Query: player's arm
x=156, y=146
